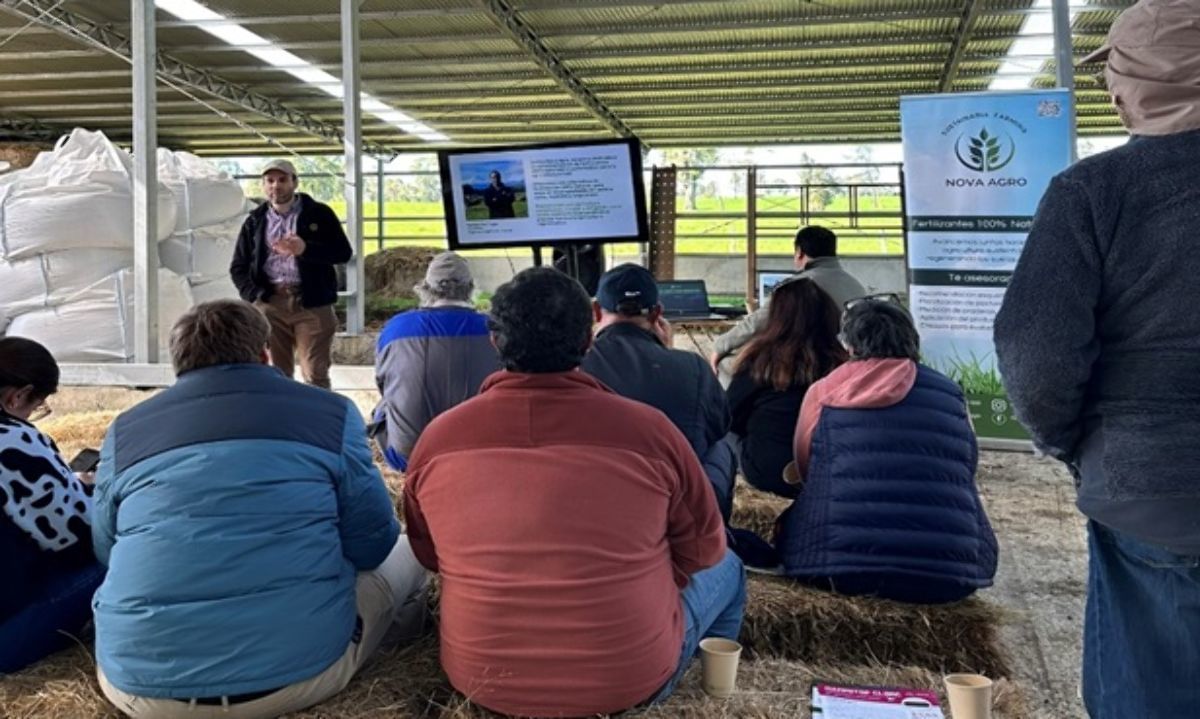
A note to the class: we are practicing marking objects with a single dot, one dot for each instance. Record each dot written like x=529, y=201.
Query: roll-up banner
x=975, y=165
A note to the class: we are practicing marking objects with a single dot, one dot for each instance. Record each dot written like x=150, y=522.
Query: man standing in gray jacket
x=1098, y=341
x=816, y=259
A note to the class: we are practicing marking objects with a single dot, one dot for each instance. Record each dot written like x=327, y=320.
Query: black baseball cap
x=626, y=284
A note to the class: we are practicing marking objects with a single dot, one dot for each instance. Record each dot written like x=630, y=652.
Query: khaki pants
x=391, y=604
x=294, y=328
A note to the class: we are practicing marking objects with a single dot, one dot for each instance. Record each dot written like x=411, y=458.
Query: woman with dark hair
x=45, y=534
x=886, y=454
x=797, y=346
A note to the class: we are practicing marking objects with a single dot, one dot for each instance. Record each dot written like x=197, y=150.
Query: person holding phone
x=45, y=532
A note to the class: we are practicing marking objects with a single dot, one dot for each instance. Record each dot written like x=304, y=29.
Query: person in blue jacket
x=254, y=557
x=885, y=460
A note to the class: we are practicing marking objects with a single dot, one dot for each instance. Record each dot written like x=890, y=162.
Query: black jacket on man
x=325, y=246
x=634, y=363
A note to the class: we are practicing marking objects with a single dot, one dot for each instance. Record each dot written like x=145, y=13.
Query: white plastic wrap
x=76, y=196
x=204, y=195
x=96, y=323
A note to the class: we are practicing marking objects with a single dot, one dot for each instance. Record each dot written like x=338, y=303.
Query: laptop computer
x=687, y=300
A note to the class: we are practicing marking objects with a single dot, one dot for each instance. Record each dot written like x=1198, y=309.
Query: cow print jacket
x=40, y=494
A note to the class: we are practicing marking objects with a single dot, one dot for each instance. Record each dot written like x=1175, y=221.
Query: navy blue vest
x=890, y=505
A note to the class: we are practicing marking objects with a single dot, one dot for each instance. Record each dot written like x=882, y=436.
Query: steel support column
x=1064, y=62
x=145, y=184
x=356, y=297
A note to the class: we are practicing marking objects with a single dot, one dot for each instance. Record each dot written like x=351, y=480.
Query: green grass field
x=419, y=224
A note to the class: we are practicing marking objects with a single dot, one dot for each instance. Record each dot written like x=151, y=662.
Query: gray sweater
x=827, y=272
x=1098, y=339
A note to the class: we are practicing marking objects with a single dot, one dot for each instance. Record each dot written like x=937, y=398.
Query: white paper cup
x=970, y=696
x=719, y=662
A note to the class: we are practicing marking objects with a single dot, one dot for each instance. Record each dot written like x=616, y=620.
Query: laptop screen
x=767, y=281
x=683, y=297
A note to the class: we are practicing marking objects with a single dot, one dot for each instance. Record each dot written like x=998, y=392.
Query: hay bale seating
x=789, y=621
x=408, y=683
x=792, y=635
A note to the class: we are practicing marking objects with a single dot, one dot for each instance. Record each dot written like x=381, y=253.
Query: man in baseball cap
x=632, y=354
x=1098, y=341
x=284, y=263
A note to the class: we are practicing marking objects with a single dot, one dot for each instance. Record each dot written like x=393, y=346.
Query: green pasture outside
x=422, y=225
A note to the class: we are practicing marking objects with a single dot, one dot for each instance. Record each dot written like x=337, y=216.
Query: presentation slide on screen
x=544, y=194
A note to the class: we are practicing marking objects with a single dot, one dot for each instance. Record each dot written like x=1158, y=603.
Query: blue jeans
x=713, y=603
x=1141, y=635
x=37, y=631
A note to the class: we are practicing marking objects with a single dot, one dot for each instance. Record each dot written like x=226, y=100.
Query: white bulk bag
x=96, y=324
x=204, y=253
x=78, y=195
x=49, y=279
x=204, y=195
x=217, y=289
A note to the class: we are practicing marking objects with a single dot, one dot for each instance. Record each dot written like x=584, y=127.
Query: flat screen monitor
x=766, y=283
x=550, y=194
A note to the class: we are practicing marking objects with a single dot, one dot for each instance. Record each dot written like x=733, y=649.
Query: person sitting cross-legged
x=255, y=561
x=581, y=553
x=430, y=359
x=45, y=533
x=885, y=460
x=633, y=356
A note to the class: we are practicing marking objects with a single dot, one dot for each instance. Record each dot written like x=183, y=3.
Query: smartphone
x=86, y=461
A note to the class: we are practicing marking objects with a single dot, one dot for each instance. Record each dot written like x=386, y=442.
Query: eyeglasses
x=889, y=297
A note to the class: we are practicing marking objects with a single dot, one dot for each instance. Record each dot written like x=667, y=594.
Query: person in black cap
x=632, y=355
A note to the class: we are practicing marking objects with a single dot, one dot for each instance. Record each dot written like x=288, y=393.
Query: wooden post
x=751, y=236
x=662, y=223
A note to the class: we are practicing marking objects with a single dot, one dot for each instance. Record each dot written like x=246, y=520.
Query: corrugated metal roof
x=675, y=72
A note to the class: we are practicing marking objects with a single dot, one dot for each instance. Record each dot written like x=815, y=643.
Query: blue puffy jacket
x=889, y=505
x=233, y=511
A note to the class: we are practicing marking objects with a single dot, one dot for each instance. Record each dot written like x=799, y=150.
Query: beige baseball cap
x=280, y=166
x=1173, y=24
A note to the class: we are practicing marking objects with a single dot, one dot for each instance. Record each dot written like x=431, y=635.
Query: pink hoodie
x=858, y=384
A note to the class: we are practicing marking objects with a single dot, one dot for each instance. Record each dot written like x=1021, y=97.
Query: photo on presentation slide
x=494, y=190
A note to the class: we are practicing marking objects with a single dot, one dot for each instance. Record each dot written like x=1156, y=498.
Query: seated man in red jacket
x=581, y=551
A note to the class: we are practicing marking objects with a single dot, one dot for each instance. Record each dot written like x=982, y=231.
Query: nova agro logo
x=985, y=152
x=984, y=143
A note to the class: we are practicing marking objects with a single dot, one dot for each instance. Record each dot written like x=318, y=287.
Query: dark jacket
x=325, y=246
x=635, y=364
x=889, y=505
x=1098, y=339
x=229, y=508
x=764, y=420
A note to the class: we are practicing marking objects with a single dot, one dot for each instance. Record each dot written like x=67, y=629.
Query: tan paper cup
x=719, y=661
x=970, y=696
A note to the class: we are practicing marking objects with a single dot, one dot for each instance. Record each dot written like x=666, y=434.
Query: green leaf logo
x=985, y=152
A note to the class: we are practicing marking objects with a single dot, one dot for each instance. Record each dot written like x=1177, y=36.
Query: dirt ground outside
x=1043, y=561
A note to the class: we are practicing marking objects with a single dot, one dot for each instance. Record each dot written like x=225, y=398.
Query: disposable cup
x=719, y=662
x=970, y=696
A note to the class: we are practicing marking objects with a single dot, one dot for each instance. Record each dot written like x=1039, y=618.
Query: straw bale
x=392, y=272
x=408, y=683
x=79, y=430
x=786, y=620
